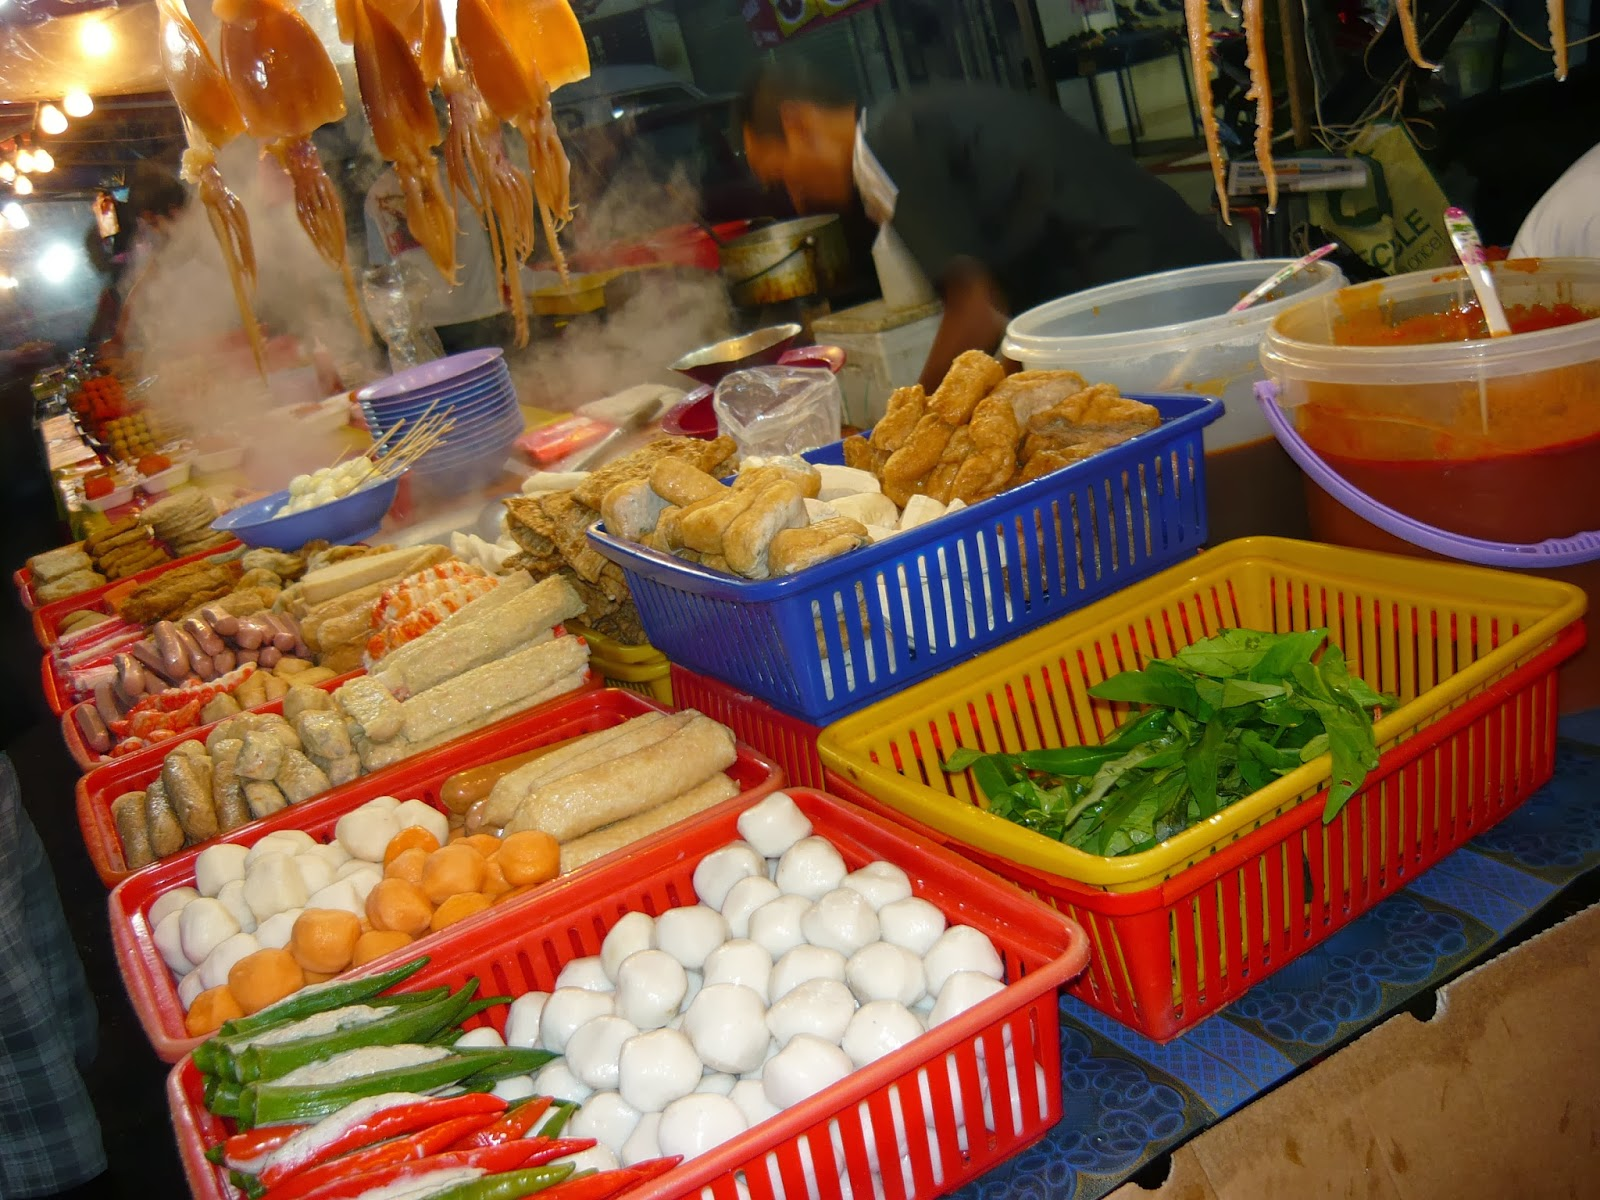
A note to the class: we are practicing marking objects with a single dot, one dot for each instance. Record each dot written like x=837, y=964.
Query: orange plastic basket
x=150, y=984
x=1183, y=928
x=787, y=741
x=819, y=1148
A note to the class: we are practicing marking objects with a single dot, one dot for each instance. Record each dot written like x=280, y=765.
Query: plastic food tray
x=787, y=741
x=100, y=787
x=87, y=759
x=1182, y=929
x=830, y=1132
x=150, y=984
x=832, y=638
x=642, y=669
x=47, y=616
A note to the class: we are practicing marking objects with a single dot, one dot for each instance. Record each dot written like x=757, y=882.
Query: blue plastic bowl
x=353, y=518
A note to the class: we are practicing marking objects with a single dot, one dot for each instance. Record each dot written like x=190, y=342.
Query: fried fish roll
x=625, y=787
x=299, y=778
x=581, y=851
x=227, y=788
x=188, y=788
x=263, y=798
x=166, y=833
x=970, y=378
x=127, y=810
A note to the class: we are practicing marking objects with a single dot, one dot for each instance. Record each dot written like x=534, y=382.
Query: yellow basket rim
x=611, y=650
x=1559, y=603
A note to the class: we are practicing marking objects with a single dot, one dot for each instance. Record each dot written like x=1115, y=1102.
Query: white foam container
x=1171, y=332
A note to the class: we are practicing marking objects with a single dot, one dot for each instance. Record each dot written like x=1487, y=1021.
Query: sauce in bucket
x=1398, y=388
x=1519, y=461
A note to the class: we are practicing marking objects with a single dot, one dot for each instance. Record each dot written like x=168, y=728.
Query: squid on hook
x=287, y=87
x=508, y=77
x=501, y=194
x=211, y=120
x=400, y=112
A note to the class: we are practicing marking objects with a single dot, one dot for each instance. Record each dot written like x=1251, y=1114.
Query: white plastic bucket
x=1171, y=332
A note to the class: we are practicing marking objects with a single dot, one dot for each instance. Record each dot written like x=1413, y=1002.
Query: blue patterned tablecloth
x=1127, y=1100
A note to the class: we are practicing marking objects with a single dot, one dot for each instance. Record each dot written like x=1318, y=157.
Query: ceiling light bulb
x=8, y=172
x=23, y=186
x=96, y=39
x=51, y=120
x=16, y=216
x=24, y=160
x=42, y=162
x=78, y=104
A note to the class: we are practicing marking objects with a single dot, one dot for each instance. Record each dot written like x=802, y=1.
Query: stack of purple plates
x=475, y=390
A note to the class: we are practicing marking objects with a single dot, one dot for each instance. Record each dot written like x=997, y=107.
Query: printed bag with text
x=1396, y=222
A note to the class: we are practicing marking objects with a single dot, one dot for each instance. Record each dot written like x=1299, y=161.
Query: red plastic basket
x=100, y=787
x=150, y=984
x=787, y=741
x=1168, y=956
x=831, y=1132
x=47, y=616
x=88, y=759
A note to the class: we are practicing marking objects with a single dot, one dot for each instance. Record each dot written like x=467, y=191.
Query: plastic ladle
x=1279, y=278
x=1469, y=249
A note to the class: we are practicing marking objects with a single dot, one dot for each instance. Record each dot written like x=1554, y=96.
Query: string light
x=51, y=120
x=78, y=104
x=24, y=161
x=42, y=162
x=16, y=216
x=8, y=172
x=23, y=186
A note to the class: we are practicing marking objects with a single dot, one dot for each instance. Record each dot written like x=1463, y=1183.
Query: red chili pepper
x=390, y=1123
x=491, y=1159
x=240, y=1150
x=418, y=1145
x=610, y=1183
x=515, y=1124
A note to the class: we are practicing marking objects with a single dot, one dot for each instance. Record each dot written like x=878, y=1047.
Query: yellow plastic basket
x=642, y=669
x=1434, y=634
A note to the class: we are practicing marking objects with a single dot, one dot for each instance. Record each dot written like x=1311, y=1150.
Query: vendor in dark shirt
x=1002, y=200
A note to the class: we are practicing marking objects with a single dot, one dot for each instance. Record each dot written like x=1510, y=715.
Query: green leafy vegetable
x=1226, y=716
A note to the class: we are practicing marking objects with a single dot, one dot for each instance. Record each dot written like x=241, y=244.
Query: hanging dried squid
x=1408, y=33
x=501, y=45
x=1199, y=26
x=480, y=171
x=211, y=119
x=400, y=112
x=1558, y=35
x=287, y=87
x=1255, y=40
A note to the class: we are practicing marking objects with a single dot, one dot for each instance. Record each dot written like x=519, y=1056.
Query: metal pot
x=786, y=261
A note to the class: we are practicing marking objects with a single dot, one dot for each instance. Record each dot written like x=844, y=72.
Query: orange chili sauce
x=1531, y=472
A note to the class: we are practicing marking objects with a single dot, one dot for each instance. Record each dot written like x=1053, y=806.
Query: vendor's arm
x=974, y=319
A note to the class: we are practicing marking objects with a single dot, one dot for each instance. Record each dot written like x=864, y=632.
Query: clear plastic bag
x=779, y=410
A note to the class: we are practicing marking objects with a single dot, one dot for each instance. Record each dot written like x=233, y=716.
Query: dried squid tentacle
x=1408, y=33
x=1199, y=25
x=1558, y=35
x=232, y=230
x=1255, y=37
x=321, y=213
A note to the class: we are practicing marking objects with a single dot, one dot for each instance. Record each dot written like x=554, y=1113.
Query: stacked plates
x=475, y=390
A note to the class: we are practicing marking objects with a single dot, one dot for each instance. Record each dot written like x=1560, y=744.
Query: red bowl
x=694, y=417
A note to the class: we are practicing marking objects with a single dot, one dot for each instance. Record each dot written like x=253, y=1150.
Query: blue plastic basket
x=835, y=637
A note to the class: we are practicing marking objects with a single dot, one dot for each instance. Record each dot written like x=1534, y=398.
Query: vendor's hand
x=975, y=318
